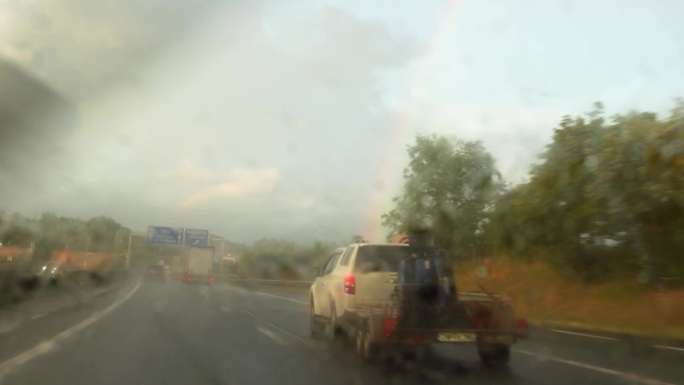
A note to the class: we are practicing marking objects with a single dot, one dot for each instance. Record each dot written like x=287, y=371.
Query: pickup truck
x=395, y=298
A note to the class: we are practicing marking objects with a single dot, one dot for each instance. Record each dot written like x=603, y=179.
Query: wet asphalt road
x=171, y=334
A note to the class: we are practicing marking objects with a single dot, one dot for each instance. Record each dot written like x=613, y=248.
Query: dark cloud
x=103, y=41
x=227, y=97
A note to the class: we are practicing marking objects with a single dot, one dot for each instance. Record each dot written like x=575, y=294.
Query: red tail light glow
x=389, y=324
x=522, y=327
x=350, y=285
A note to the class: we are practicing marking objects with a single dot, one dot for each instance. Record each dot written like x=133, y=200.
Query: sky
x=291, y=119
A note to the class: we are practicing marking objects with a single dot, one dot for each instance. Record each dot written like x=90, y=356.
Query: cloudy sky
x=290, y=118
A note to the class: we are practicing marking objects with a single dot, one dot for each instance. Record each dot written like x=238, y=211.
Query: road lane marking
x=584, y=335
x=283, y=298
x=627, y=376
x=50, y=344
x=668, y=347
x=274, y=326
x=271, y=335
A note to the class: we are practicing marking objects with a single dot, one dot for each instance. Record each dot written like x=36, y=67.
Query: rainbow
x=389, y=184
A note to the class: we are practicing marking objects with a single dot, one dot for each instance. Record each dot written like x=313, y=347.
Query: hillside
x=543, y=296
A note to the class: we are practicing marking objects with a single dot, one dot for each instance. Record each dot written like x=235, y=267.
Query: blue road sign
x=198, y=238
x=165, y=235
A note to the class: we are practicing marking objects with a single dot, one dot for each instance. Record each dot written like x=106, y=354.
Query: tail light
x=350, y=285
x=482, y=317
x=388, y=326
x=522, y=327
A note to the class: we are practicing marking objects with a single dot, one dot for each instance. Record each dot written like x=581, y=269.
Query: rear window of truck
x=379, y=258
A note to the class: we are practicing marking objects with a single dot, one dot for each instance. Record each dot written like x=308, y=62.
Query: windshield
x=231, y=192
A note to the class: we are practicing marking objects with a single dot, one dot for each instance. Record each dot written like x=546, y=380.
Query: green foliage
x=607, y=197
x=449, y=185
x=50, y=232
x=278, y=258
x=621, y=179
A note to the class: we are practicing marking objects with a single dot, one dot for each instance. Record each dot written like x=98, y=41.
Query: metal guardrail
x=270, y=283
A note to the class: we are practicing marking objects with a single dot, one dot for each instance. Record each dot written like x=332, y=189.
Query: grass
x=543, y=296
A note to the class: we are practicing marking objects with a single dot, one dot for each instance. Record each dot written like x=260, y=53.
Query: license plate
x=456, y=337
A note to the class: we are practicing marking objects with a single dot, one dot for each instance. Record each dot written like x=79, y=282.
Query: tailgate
x=374, y=289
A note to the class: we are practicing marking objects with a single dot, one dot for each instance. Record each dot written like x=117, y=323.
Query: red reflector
x=388, y=334
x=211, y=279
x=350, y=285
x=389, y=324
x=522, y=325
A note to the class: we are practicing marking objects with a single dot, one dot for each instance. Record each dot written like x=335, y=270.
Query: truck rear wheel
x=365, y=348
x=317, y=327
x=496, y=355
x=335, y=330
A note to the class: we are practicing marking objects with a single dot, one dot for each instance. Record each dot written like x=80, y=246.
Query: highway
x=148, y=333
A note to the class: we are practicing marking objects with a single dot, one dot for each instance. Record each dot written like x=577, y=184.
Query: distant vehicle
x=198, y=265
x=398, y=298
x=229, y=268
x=51, y=273
x=155, y=273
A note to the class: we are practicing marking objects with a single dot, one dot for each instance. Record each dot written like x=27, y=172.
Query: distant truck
x=198, y=265
x=229, y=267
x=82, y=266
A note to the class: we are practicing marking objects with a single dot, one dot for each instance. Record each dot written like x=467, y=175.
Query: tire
x=317, y=327
x=365, y=348
x=334, y=331
x=417, y=354
x=494, y=356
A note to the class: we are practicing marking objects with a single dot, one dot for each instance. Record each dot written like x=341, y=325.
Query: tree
x=618, y=178
x=449, y=185
x=102, y=232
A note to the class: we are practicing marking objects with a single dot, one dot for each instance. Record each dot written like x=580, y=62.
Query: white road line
x=50, y=344
x=271, y=335
x=283, y=298
x=633, y=378
x=584, y=335
x=668, y=347
x=274, y=326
